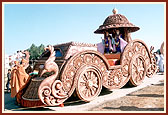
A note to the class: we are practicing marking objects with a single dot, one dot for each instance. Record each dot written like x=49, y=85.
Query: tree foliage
x=36, y=51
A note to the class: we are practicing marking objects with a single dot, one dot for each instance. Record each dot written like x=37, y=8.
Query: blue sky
x=25, y=24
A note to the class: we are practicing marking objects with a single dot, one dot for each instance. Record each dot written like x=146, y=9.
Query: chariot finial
x=115, y=11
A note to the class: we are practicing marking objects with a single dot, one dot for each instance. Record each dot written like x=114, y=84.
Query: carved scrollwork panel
x=88, y=59
x=152, y=68
x=125, y=69
x=96, y=60
x=78, y=62
x=114, y=79
x=45, y=95
x=100, y=63
x=58, y=92
x=143, y=51
x=126, y=59
x=137, y=47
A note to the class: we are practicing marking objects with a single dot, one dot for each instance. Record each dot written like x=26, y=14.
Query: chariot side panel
x=84, y=71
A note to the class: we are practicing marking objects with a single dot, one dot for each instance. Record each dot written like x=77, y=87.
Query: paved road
x=149, y=96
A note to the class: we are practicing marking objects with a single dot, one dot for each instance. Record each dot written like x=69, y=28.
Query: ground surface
x=149, y=96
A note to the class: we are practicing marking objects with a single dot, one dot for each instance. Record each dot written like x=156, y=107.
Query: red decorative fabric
x=28, y=103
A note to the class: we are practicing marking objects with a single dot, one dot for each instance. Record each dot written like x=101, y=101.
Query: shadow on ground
x=161, y=84
x=10, y=104
x=134, y=108
x=146, y=95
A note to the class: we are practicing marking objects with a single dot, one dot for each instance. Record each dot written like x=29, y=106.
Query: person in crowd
x=17, y=56
x=9, y=79
x=113, y=42
x=101, y=46
x=11, y=61
x=110, y=44
x=157, y=57
x=18, y=77
x=117, y=41
x=107, y=38
x=123, y=43
x=161, y=64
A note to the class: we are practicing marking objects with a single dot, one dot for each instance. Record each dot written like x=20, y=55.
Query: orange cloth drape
x=18, y=79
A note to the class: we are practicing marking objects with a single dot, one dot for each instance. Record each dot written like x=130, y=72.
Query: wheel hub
x=89, y=84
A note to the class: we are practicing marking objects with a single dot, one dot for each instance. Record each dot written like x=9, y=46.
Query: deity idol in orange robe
x=18, y=77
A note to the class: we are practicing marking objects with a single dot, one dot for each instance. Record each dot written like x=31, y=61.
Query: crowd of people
x=14, y=59
x=113, y=43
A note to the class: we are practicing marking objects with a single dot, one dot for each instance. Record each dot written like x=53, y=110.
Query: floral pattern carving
x=152, y=69
x=113, y=79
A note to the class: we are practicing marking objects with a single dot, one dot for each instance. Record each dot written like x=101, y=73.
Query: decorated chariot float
x=83, y=69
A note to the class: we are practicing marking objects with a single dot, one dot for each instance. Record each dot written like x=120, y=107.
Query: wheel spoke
x=134, y=69
x=88, y=93
x=84, y=91
x=83, y=79
x=85, y=75
x=82, y=83
x=137, y=61
x=94, y=79
x=140, y=76
x=141, y=69
x=134, y=75
x=83, y=88
x=91, y=75
x=136, y=78
x=95, y=85
x=92, y=91
x=134, y=66
x=88, y=75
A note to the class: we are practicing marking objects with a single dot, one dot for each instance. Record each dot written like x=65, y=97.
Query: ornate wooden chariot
x=81, y=68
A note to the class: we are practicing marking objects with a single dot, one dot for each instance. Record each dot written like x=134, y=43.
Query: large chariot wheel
x=90, y=65
x=89, y=83
x=135, y=61
x=137, y=70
